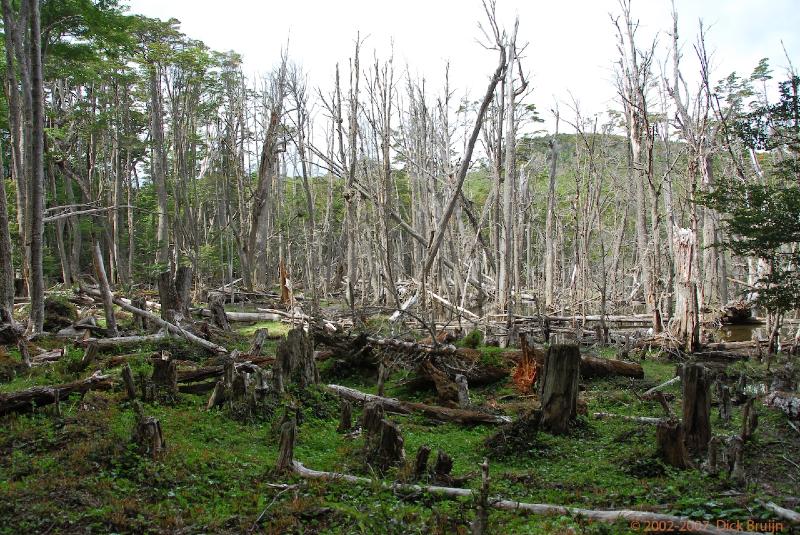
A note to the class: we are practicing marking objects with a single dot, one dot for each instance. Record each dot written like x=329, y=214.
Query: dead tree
x=559, y=387
x=686, y=326
x=286, y=450
x=216, y=303
x=697, y=407
x=421, y=462
x=174, y=294
x=130, y=384
x=346, y=417
x=481, y=522
x=724, y=402
x=108, y=304
x=259, y=338
x=165, y=372
x=147, y=434
x=442, y=468
x=294, y=360
x=670, y=443
x=390, y=451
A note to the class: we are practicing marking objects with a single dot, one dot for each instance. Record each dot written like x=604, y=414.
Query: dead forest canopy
x=233, y=303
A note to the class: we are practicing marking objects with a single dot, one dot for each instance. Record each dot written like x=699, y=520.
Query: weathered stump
x=130, y=384
x=559, y=387
x=446, y=389
x=421, y=462
x=294, y=359
x=480, y=524
x=442, y=468
x=749, y=420
x=736, y=459
x=714, y=456
x=174, y=294
x=286, y=451
x=670, y=443
x=139, y=321
x=463, y=391
x=371, y=419
x=165, y=372
x=259, y=339
x=345, y=417
x=697, y=407
x=724, y=401
x=383, y=374
x=147, y=434
x=390, y=450
x=216, y=303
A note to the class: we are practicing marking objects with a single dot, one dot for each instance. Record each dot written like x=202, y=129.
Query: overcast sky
x=571, y=49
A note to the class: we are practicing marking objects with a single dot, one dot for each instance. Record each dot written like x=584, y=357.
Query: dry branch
x=699, y=527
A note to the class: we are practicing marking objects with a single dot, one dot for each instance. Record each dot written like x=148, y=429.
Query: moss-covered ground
x=78, y=473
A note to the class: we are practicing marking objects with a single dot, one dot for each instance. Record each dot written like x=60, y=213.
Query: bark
x=431, y=411
x=697, y=407
x=105, y=289
x=670, y=443
x=286, y=449
x=36, y=282
x=559, y=387
x=294, y=359
x=24, y=400
x=611, y=516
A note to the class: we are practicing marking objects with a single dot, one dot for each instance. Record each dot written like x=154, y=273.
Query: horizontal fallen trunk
x=663, y=385
x=124, y=304
x=639, y=419
x=733, y=346
x=47, y=357
x=44, y=395
x=244, y=316
x=210, y=372
x=788, y=402
x=592, y=366
x=782, y=512
x=122, y=341
x=685, y=524
x=460, y=416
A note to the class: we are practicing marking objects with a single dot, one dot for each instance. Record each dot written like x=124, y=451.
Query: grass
x=78, y=473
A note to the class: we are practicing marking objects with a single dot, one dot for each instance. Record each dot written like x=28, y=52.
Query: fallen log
x=121, y=341
x=47, y=357
x=638, y=419
x=23, y=400
x=782, y=512
x=171, y=327
x=591, y=366
x=243, y=316
x=644, y=517
x=210, y=372
x=663, y=385
x=788, y=402
x=460, y=416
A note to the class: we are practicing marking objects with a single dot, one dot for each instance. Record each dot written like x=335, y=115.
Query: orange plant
x=524, y=374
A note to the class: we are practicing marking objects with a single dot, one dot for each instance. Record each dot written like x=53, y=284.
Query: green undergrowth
x=77, y=473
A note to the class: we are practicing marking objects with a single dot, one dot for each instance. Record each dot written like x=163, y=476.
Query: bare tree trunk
x=37, y=176
x=108, y=304
x=549, y=248
x=158, y=163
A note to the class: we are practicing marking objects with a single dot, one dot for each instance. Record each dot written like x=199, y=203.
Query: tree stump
x=147, y=434
x=390, y=450
x=481, y=523
x=670, y=443
x=371, y=418
x=174, y=294
x=463, y=391
x=139, y=321
x=749, y=420
x=165, y=372
x=696, y=407
x=294, y=359
x=421, y=462
x=130, y=385
x=736, y=459
x=442, y=468
x=345, y=417
x=259, y=339
x=89, y=356
x=714, y=456
x=724, y=400
x=286, y=450
x=383, y=374
x=216, y=303
x=559, y=387
x=446, y=389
